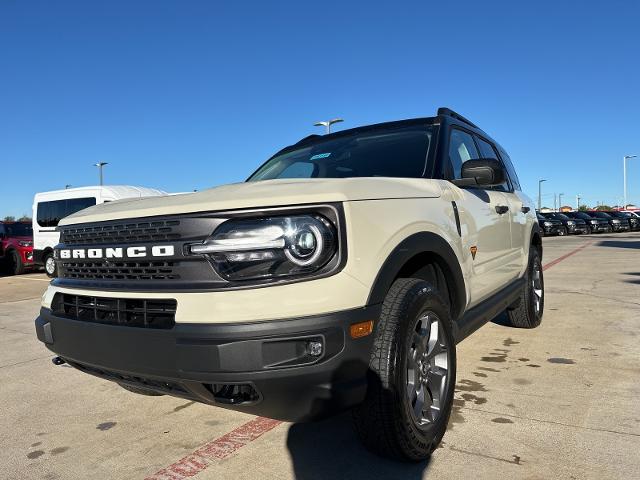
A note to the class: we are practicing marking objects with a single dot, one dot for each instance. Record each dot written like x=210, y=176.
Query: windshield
x=18, y=229
x=600, y=215
x=561, y=216
x=391, y=151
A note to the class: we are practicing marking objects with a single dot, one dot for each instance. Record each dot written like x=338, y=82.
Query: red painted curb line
x=565, y=256
x=218, y=449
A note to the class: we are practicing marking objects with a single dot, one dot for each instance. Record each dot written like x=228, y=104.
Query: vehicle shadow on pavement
x=619, y=244
x=330, y=449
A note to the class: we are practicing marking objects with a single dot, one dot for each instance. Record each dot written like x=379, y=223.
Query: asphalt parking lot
x=560, y=401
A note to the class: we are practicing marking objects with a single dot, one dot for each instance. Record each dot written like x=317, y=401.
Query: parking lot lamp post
x=540, y=193
x=560, y=201
x=327, y=124
x=578, y=202
x=624, y=170
x=100, y=165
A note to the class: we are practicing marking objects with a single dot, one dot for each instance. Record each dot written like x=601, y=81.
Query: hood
x=266, y=193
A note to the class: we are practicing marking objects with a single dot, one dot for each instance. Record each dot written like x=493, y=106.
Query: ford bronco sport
x=341, y=274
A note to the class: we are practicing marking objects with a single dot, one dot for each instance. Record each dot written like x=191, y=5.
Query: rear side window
x=50, y=213
x=506, y=160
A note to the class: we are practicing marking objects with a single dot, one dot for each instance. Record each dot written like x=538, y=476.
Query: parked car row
x=574, y=223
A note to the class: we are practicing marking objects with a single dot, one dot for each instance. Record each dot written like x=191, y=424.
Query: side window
x=76, y=204
x=461, y=149
x=488, y=151
x=49, y=214
x=510, y=170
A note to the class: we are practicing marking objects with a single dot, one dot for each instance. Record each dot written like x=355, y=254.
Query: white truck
x=51, y=207
x=340, y=275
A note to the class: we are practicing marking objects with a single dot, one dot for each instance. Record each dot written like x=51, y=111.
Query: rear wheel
x=411, y=374
x=50, y=265
x=528, y=311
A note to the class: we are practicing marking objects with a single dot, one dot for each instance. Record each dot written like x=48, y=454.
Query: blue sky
x=187, y=95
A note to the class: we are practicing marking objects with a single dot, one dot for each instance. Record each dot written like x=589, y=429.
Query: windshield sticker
x=320, y=155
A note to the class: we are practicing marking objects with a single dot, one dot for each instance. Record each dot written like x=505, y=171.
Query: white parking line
x=25, y=278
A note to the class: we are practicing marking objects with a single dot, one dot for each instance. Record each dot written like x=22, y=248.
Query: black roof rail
x=450, y=113
x=313, y=136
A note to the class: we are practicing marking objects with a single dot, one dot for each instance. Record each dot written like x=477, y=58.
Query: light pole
x=100, y=165
x=624, y=169
x=560, y=201
x=327, y=124
x=577, y=202
x=540, y=193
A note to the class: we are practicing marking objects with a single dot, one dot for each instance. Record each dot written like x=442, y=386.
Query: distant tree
x=603, y=207
x=24, y=218
x=9, y=218
x=583, y=208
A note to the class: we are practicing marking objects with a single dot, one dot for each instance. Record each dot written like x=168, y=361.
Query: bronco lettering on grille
x=117, y=252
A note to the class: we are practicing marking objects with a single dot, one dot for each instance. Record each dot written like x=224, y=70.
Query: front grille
x=130, y=312
x=109, y=270
x=157, y=230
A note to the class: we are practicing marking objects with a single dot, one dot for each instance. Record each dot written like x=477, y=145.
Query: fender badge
x=474, y=250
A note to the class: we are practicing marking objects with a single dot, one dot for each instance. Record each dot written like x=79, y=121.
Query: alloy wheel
x=427, y=369
x=536, y=287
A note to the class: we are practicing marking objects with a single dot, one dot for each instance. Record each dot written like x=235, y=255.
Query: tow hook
x=58, y=361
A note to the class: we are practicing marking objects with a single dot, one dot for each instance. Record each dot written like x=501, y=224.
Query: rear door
x=484, y=230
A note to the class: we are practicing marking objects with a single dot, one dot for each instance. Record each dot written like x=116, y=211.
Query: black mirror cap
x=486, y=172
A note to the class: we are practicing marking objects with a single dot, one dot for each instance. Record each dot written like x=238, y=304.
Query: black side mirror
x=486, y=172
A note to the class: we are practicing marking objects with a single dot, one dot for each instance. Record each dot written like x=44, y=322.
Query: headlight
x=547, y=224
x=615, y=221
x=270, y=247
x=25, y=243
x=593, y=222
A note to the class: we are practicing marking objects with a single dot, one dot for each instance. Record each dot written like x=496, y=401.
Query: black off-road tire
x=384, y=422
x=141, y=391
x=49, y=257
x=525, y=314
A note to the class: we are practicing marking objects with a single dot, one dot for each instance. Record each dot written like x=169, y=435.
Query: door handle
x=502, y=209
x=525, y=209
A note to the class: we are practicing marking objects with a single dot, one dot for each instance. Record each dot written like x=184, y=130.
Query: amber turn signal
x=361, y=329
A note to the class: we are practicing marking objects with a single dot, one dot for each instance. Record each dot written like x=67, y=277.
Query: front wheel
x=50, y=265
x=16, y=265
x=527, y=313
x=412, y=374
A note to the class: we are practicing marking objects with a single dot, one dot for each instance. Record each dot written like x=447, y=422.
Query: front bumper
x=620, y=227
x=554, y=229
x=578, y=229
x=266, y=361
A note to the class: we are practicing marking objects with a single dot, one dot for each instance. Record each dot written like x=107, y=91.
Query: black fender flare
x=420, y=243
x=535, y=229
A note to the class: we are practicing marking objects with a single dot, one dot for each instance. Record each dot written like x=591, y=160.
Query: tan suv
x=341, y=274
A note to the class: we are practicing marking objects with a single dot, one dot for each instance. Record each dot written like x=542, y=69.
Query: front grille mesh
x=131, y=312
x=160, y=230
x=103, y=270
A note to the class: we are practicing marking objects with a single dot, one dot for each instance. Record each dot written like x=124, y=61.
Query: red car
x=16, y=246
